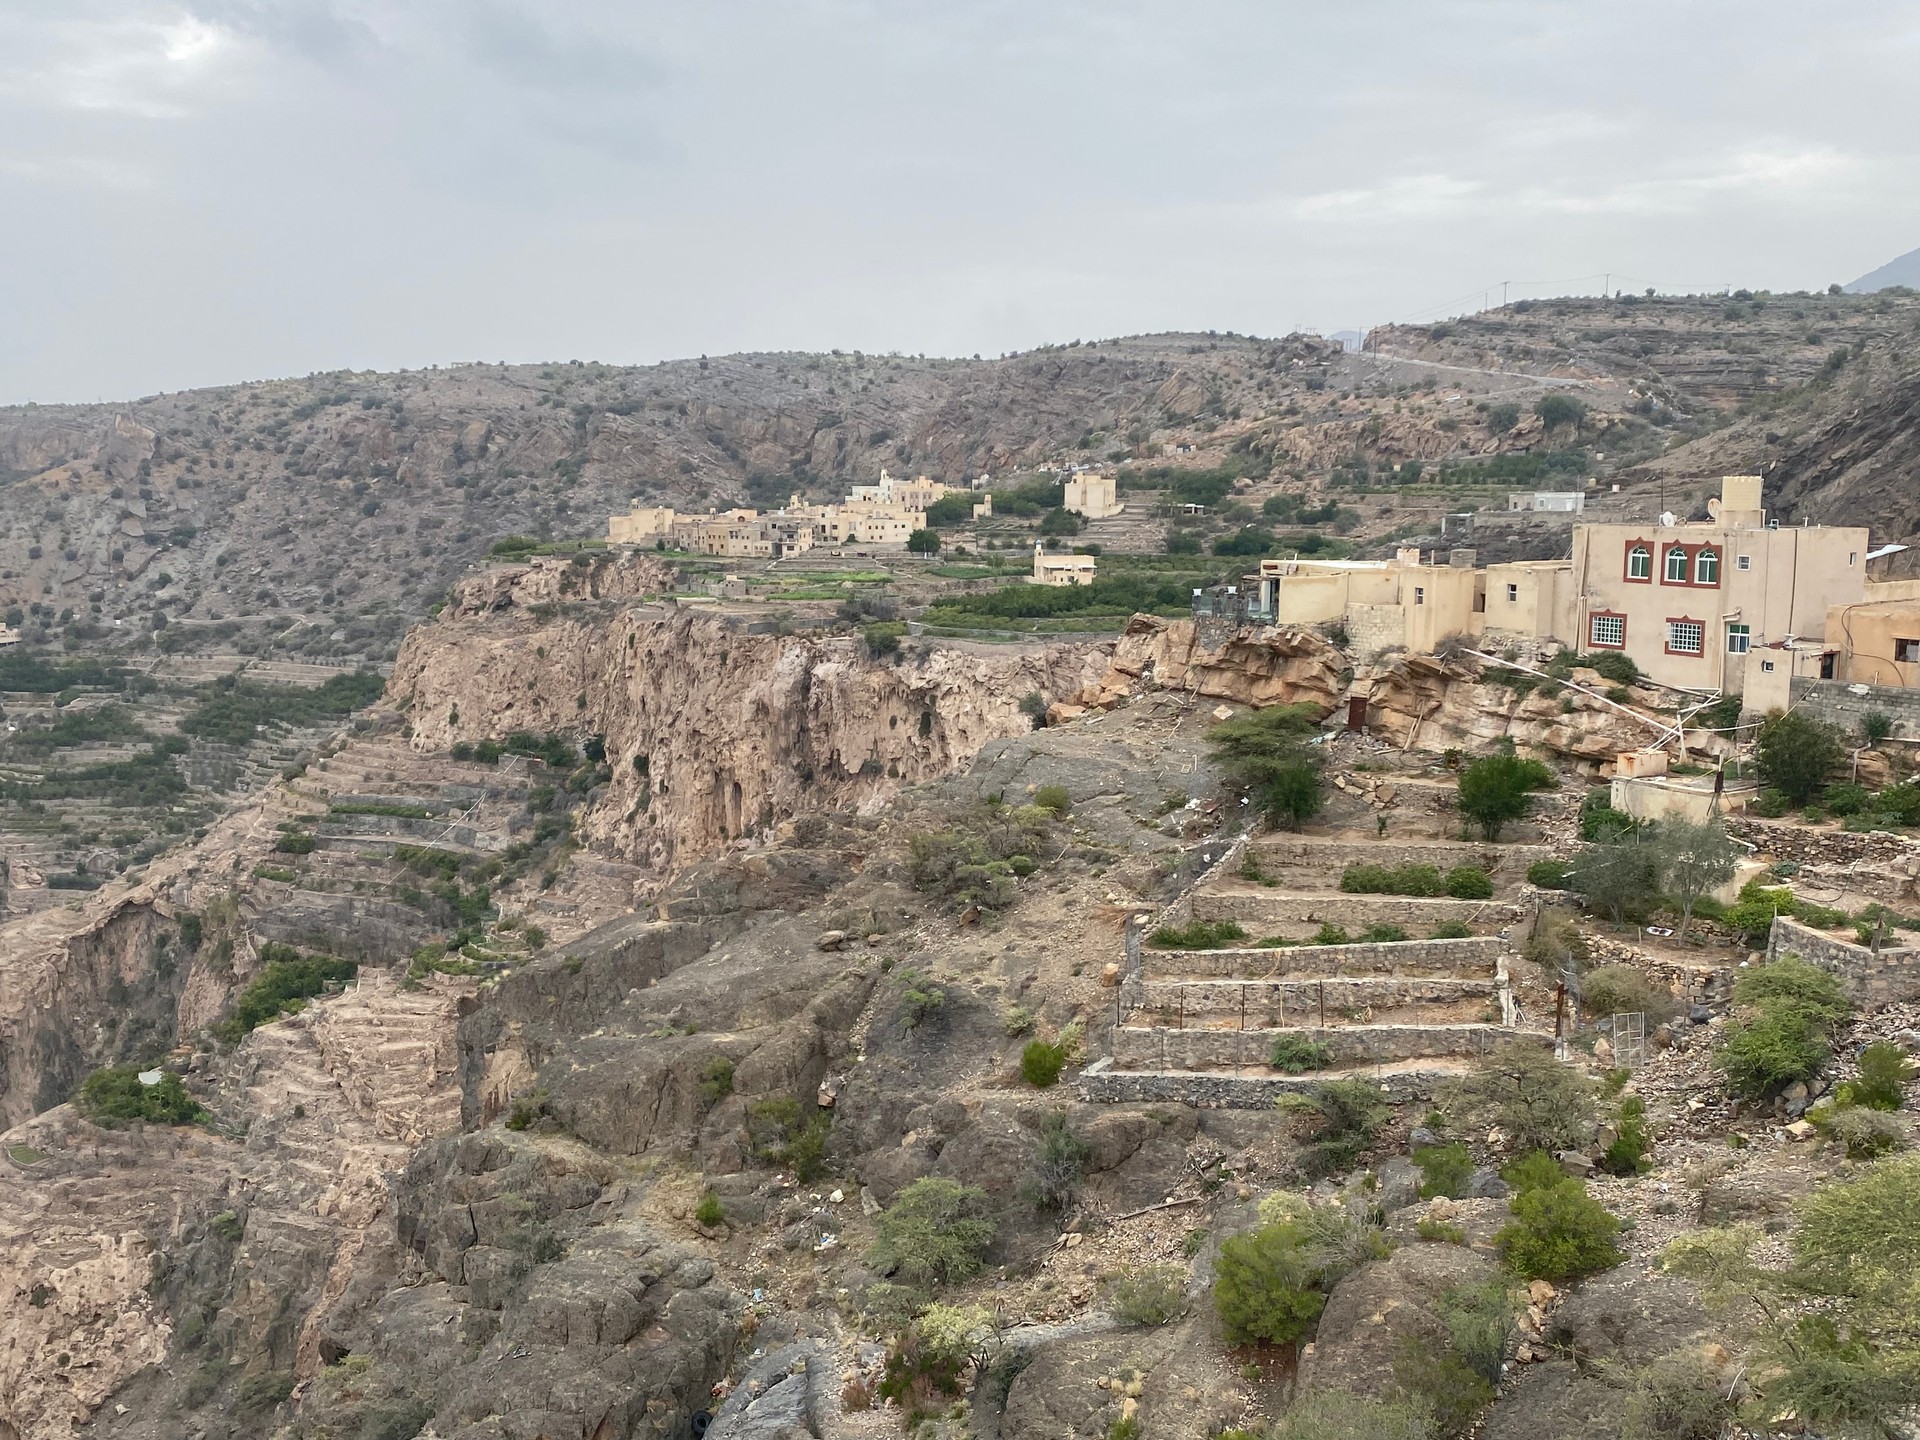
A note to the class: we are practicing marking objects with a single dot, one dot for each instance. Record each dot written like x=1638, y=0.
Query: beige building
x=642, y=525
x=1093, y=494
x=1050, y=569
x=1690, y=602
x=1876, y=639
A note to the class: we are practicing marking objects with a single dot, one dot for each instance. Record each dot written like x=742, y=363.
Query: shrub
x=1679, y=1396
x=716, y=1080
x=1365, y=879
x=1493, y=792
x=115, y=1095
x=1557, y=409
x=1621, y=989
x=1794, y=754
x=1059, y=1159
x=1479, y=1321
x=883, y=638
x=283, y=986
x=1548, y=874
x=1041, y=1062
x=1296, y=1054
x=1382, y=933
x=1536, y=1170
x=1765, y=1052
x=1792, y=982
x=1330, y=934
x=935, y=1232
x=1345, y=1115
x=1599, y=821
x=1054, y=798
x=294, y=842
x=1632, y=1141
x=1452, y=930
x=1845, y=799
x=1442, y=1382
x=709, y=1211
x=1469, y=882
x=1444, y=1170
x=1147, y=1294
x=1200, y=935
x=1875, y=726
x=1519, y=1087
x=1264, y=752
x=920, y=999
x=1440, y=1231
x=1338, y=1415
x=1263, y=1287
x=1866, y=1134
x=1620, y=876
x=780, y=1132
x=1559, y=1232
x=1557, y=943
x=1884, y=1073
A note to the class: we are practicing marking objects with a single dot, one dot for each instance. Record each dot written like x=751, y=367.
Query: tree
x=1522, y=1090
x=924, y=542
x=1557, y=409
x=1693, y=859
x=1266, y=753
x=935, y=1232
x=1494, y=790
x=1795, y=754
x=1263, y=1287
x=1619, y=876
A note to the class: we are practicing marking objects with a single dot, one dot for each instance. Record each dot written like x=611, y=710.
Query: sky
x=206, y=191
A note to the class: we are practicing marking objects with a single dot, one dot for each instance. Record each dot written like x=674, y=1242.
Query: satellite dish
x=1667, y=519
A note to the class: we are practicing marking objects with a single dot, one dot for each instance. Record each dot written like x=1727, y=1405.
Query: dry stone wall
x=1888, y=978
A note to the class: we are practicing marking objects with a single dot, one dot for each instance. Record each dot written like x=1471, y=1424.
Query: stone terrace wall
x=1305, y=851
x=1147, y=1048
x=1888, y=978
x=1280, y=908
x=1400, y=957
x=1282, y=1002
x=1104, y=1085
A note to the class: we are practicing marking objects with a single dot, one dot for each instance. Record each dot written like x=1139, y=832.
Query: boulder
x=1378, y=1306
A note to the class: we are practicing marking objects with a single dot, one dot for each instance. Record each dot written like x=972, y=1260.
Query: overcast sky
x=214, y=190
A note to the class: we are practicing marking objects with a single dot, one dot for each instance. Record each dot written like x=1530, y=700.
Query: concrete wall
x=1142, y=1047
x=1277, y=912
x=1834, y=702
x=1889, y=978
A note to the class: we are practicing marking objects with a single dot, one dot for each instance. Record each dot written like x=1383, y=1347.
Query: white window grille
x=1607, y=630
x=1686, y=637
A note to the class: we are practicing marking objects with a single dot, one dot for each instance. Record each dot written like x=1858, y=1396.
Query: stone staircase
x=1207, y=1027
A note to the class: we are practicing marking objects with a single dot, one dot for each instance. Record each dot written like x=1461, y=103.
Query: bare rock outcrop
x=1272, y=666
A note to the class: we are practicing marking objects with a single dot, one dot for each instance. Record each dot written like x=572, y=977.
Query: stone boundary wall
x=1137, y=1047
x=1281, y=908
x=1825, y=848
x=1283, y=1002
x=1102, y=1085
x=1396, y=957
x=1891, y=977
x=1306, y=851
x=404, y=830
x=1835, y=702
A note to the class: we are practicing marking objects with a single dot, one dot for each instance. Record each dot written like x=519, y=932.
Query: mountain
x=1902, y=270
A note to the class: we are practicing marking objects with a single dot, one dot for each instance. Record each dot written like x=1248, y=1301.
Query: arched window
x=1639, y=563
x=1706, y=568
x=1676, y=565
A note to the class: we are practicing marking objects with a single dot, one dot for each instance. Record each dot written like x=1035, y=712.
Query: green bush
x=1442, y=1382
x=1679, y=1396
x=1059, y=1159
x=1479, y=1320
x=781, y=1132
x=1383, y=933
x=1794, y=754
x=1041, y=1062
x=1344, y=1115
x=1494, y=791
x=1791, y=981
x=1147, y=1294
x=1199, y=935
x=1338, y=1415
x=1765, y=1052
x=1521, y=1089
x=1439, y=1231
x=883, y=638
x=1444, y=1170
x=1632, y=1142
x=115, y=1095
x=1296, y=1054
x=1263, y=1287
x=920, y=1000
x=1621, y=989
x=1548, y=874
x=1452, y=930
x=936, y=1232
x=716, y=1080
x=1884, y=1073
x=1536, y=1170
x=1054, y=798
x=1366, y=879
x=294, y=842
x=1330, y=934
x=1265, y=753
x=1559, y=1232
x=709, y=1212
x=1865, y=1134
x=1845, y=799
x=1469, y=882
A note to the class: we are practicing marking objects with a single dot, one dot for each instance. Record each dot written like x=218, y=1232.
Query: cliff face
x=711, y=732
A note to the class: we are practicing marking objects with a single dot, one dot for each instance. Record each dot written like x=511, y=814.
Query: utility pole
x=1503, y=293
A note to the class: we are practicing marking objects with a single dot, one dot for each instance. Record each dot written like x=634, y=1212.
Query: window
x=1852, y=556
x=1419, y=595
x=1706, y=568
x=1640, y=563
x=1513, y=594
x=1676, y=565
x=1907, y=652
x=1607, y=631
x=1745, y=562
x=1767, y=665
x=1739, y=639
x=1686, y=637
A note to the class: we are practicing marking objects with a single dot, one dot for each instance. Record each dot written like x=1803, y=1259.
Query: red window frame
x=1666, y=562
x=1626, y=562
x=1693, y=554
x=1687, y=620
x=1620, y=615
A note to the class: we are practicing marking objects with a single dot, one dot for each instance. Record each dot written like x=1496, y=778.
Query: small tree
x=1693, y=859
x=1265, y=752
x=1794, y=754
x=1494, y=790
x=1557, y=409
x=924, y=542
x=935, y=1232
x=1620, y=876
x=1059, y=1158
x=1520, y=1088
x=1263, y=1287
